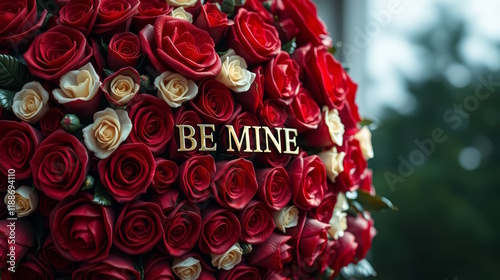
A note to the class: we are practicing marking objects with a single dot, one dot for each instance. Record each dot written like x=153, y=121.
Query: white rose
x=338, y=224
x=26, y=200
x=122, y=89
x=175, y=89
x=364, y=136
x=110, y=128
x=287, y=217
x=335, y=126
x=82, y=84
x=183, y=3
x=30, y=104
x=333, y=161
x=234, y=73
x=188, y=269
x=180, y=13
x=229, y=259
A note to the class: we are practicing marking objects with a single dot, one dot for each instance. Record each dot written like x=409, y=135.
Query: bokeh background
x=423, y=65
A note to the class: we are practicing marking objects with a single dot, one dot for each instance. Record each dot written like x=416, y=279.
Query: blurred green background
x=422, y=66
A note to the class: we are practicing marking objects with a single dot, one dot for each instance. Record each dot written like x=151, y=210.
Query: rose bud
x=229, y=259
x=282, y=75
x=363, y=231
x=214, y=102
x=304, y=113
x=70, y=123
x=59, y=165
x=124, y=50
x=81, y=15
x=214, y=21
x=25, y=239
x=114, y=17
x=185, y=116
x=167, y=201
x=180, y=13
x=308, y=177
x=18, y=143
x=165, y=175
x=33, y=268
x=241, y=271
x=157, y=266
x=256, y=223
x=128, y=172
x=182, y=228
x=51, y=256
x=197, y=175
x=273, y=254
x=287, y=217
x=234, y=73
x=273, y=113
x=330, y=131
x=343, y=251
x=148, y=12
x=239, y=121
x=82, y=230
x=354, y=166
x=228, y=229
x=364, y=137
x=122, y=86
x=174, y=89
x=26, y=201
x=152, y=123
x=30, y=104
x=51, y=121
x=325, y=210
x=116, y=266
x=252, y=100
x=274, y=187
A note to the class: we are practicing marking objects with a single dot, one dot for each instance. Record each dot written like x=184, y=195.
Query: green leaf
x=101, y=197
x=363, y=269
x=6, y=98
x=104, y=46
x=108, y=72
x=366, y=122
x=374, y=202
x=13, y=74
x=290, y=46
x=139, y=266
x=228, y=7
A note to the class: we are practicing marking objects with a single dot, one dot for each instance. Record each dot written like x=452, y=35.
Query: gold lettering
x=291, y=140
x=245, y=136
x=257, y=139
x=183, y=137
x=204, y=137
x=269, y=134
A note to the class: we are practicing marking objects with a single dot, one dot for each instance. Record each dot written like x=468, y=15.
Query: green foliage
x=13, y=74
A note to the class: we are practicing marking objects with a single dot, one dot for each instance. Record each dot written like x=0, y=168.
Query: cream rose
x=122, y=89
x=229, y=259
x=82, y=84
x=175, y=89
x=182, y=3
x=188, y=269
x=234, y=73
x=110, y=128
x=180, y=13
x=287, y=217
x=26, y=200
x=338, y=221
x=364, y=136
x=30, y=104
x=335, y=126
x=333, y=161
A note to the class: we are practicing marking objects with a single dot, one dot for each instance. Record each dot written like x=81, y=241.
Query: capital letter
x=183, y=137
x=204, y=137
x=245, y=136
x=291, y=140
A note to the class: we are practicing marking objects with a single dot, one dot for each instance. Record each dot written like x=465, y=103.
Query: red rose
x=239, y=120
x=256, y=221
x=274, y=187
x=304, y=113
x=165, y=175
x=213, y=20
x=167, y=201
x=124, y=50
x=18, y=143
x=253, y=39
x=309, y=238
x=363, y=231
x=182, y=229
x=81, y=15
x=128, y=172
x=56, y=52
x=177, y=45
x=51, y=256
x=258, y=7
x=273, y=113
x=273, y=159
x=366, y=182
x=324, y=211
x=19, y=23
x=349, y=113
x=308, y=177
x=287, y=29
x=197, y=175
x=153, y=123
x=241, y=271
x=184, y=116
x=81, y=229
x=221, y=229
x=344, y=251
x=116, y=266
x=33, y=268
x=235, y=183
x=273, y=254
x=214, y=102
x=157, y=266
x=148, y=12
x=51, y=121
x=282, y=78
x=114, y=16
x=251, y=101
x=354, y=166
x=59, y=165
x=25, y=239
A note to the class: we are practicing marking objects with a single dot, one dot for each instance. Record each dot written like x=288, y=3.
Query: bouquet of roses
x=177, y=139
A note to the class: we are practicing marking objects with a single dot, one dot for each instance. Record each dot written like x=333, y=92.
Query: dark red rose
x=20, y=23
x=213, y=20
x=362, y=229
x=51, y=256
x=274, y=187
x=124, y=50
x=116, y=266
x=25, y=239
x=81, y=15
x=221, y=229
x=308, y=177
x=282, y=75
x=157, y=266
x=56, y=52
x=252, y=100
x=258, y=7
x=235, y=183
x=196, y=176
x=304, y=113
x=51, y=121
x=18, y=143
x=165, y=176
x=178, y=45
x=214, y=102
x=344, y=251
x=273, y=254
x=115, y=16
x=257, y=223
x=241, y=271
x=273, y=113
x=121, y=100
x=239, y=120
x=33, y=268
x=128, y=172
x=253, y=39
x=309, y=238
x=152, y=123
x=167, y=201
x=287, y=29
x=354, y=166
x=273, y=159
x=182, y=229
x=59, y=165
x=184, y=116
x=349, y=113
x=148, y=12
x=81, y=229
x=324, y=211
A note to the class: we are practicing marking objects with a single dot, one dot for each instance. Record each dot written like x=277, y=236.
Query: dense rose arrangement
x=91, y=94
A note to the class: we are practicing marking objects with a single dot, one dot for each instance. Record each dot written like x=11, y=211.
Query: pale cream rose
x=234, y=73
x=175, y=89
x=110, y=128
x=341, y=204
x=188, y=269
x=338, y=224
x=335, y=126
x=229, y=259
x=26, y=200
x=333, y=162
x=364, y=136
x=182, y=3
x=82, y=84
x=180, y=13
x=122, y=89
x=30, y=104
x=287, y=217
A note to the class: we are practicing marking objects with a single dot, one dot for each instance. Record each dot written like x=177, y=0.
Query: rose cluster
x=102, y=190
